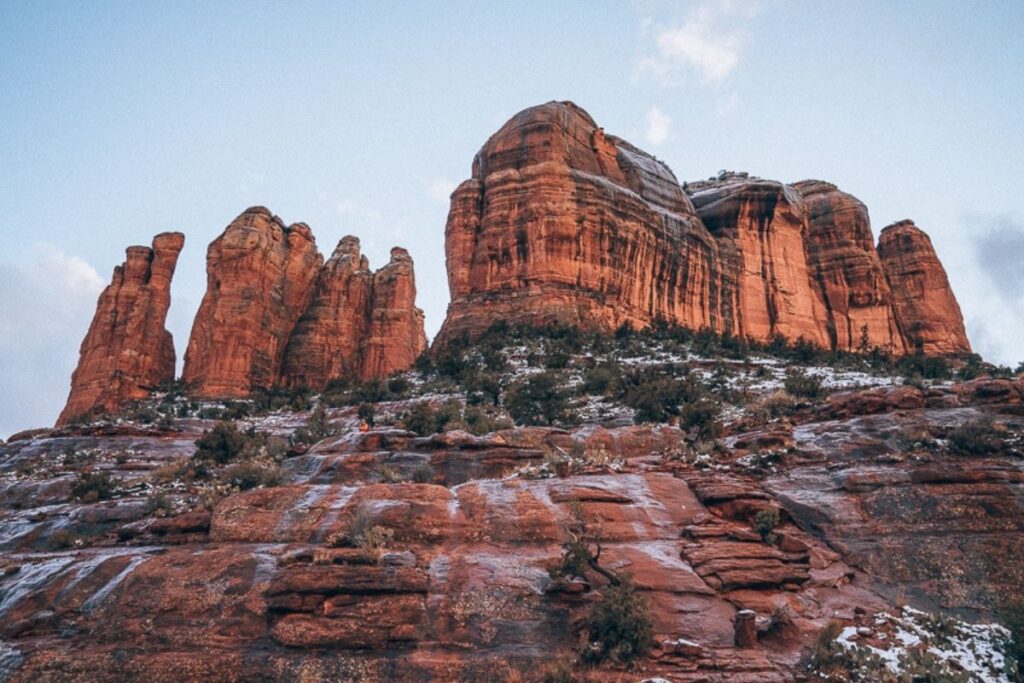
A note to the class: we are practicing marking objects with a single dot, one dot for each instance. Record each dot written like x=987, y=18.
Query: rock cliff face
x=927, y=310
x=127, y=351
x=274, y=313
x=395, y=335
x=563, y=223
x=359, y=324
x=761, y=229
x=260, y=277
x=848, y=271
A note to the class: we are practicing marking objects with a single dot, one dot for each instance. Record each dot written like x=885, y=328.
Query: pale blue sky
x=121, y=120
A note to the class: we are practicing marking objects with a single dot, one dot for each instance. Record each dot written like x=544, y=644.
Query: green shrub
x=619, y=627
x=423, y=474
x=799, y=383
x=367, y=412
x=221, y=445
x=425, y=418
x=538, y=400
x=1012, y=617
x=701, y=416
x=90, y=487
x=979, y=438
x=765, y=522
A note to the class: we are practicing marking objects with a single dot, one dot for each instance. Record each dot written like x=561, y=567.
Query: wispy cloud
x=46, y=308
x=657, y=126
x=996, y=292
x=708, y=41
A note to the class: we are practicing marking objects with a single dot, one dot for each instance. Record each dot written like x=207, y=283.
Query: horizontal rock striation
x=274, y=313
x=127, y=351
x=561, y=223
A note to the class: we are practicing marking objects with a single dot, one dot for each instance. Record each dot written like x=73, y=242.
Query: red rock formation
x=563, y=223
x=926, y=308
x=841, y=254
x=127, y=351
x=327, y=339
x=260, y=278
x=761, y=228
x=359, y=324
x=395, y=336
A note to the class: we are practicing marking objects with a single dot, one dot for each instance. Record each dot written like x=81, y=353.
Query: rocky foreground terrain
x=816, y=494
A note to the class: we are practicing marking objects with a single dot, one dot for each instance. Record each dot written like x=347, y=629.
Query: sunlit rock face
x=260, y=278
x=927, y=309
x=127, y=351
x=848, y=271
x=761, y=228
x=563, y=223
x=360, y=324
x=275, y=314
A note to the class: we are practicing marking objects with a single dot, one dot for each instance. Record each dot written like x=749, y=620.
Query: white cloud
x=709, y=41
x=441, y=189
x=658, y=124
x=47, y=305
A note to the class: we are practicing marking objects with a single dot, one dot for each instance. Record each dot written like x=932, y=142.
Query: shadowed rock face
x=127, y=351
x=359, y=324
x=847, y=269
x=927, y=310
x=563, y=223
x=260, y=277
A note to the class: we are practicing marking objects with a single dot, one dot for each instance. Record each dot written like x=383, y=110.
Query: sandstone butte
x=127, y=352
x=561, y=222
x=923, y=299
x=273, y=314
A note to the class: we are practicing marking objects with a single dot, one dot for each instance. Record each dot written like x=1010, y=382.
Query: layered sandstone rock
x=395, y=336
x=927, y=310
x=847, y=269
x=260, y=277
x=327, y=339
x=275, y=314
x=561, y=223
x=359, y=324
x=127, y=351
x=761, y=228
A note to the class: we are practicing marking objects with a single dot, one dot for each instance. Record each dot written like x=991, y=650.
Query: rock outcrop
x=127, y=351
x=275, y=314
x=563, y=223
x=927, y=310
x=260, y=277
x=359, y=324
x=848, y=271
x=760, y=226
